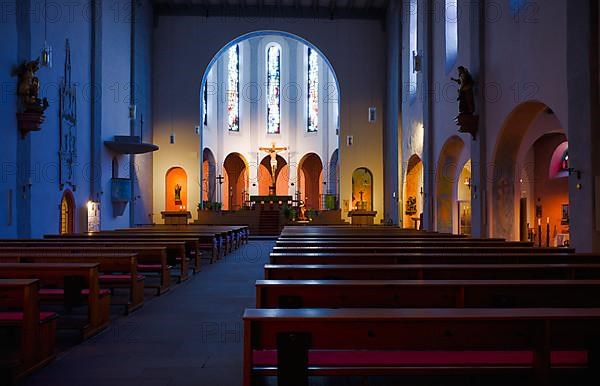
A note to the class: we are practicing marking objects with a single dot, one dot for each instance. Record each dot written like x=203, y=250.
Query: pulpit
x=176, y=217
x=362, y=217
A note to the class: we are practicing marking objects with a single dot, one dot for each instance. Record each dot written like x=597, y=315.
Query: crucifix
x=272, y=151
x=220, y=179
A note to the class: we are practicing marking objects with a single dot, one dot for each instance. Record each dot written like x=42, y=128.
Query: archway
x=209, y=171
x=334, y=174
x=235, y=186
x=413, y=191
x=67, y=213
x=446, y=176
x=253, y=91
x=463, y=196
x=177, y=189
x=282, y=176
x=527, y=123
x=544, y=194
x=362, y=189
x=310, y=175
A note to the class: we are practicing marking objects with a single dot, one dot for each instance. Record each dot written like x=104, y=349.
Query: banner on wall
x=93, y=216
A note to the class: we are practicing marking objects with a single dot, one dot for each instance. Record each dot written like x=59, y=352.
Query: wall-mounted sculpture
x=30, y=112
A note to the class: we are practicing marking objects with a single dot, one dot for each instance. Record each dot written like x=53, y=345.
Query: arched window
x=67, y=213
x=413, y=29
x=451, y=33
x=273, y=88
x=313, y=91
x=205, y=105
x=233, y=89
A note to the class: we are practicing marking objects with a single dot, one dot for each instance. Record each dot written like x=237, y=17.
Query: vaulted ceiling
x=331, y=9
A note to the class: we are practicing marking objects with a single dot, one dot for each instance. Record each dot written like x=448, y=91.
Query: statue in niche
x=178, y=194
x=29, y=87
x=411, y=205
x=466, y=98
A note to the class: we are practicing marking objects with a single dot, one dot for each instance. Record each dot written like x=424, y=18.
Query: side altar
x=176, y=217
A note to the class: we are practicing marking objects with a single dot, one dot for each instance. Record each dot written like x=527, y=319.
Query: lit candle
x=539, y=221
x=547, y=220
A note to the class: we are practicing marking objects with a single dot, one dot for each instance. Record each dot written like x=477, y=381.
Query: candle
x=547, y=220
x=539, y=222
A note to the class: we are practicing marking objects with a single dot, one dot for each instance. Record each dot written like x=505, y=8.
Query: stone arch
x=176, y=183
x=235, y=187
x=310, y=178
x=413, y=190
x=67, y=213
x=525, y=124
x=446, y=183
x=209, y=175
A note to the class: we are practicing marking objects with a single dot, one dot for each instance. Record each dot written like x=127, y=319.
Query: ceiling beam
x=269, y=11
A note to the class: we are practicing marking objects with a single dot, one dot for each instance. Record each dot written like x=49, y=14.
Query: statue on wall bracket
x=67, y=153
x=466, y=119
x=30, y=112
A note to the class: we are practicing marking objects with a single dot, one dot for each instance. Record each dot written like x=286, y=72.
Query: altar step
x=268, y=223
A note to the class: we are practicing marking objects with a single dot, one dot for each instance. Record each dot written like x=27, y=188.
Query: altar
x=176, y=217
x=271, y=201
x=362, y=217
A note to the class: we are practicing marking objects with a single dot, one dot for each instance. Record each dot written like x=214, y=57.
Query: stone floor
x=192, y=335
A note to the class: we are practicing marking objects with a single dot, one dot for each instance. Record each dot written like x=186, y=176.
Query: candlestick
x=539, y=233
x=548, y=234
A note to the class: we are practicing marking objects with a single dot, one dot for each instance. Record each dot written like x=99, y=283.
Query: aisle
x=190, y=336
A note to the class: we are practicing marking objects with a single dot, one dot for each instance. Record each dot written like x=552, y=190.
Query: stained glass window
x=412, y=22
x=313, y=91
x=451, y=34
x=273, y=87
x=233, y=89
x=205, y=105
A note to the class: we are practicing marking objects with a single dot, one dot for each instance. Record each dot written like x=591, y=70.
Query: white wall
x=177, y=83
x=294, y=110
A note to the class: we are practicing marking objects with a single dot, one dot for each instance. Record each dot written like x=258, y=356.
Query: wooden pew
x=325, y=342
x=202, y=242
x=33, y=341
x=427, y=293
x=177, y=248
x=117, y=270
x=54, y=282
x=395, y=242
x=424, y=248
x=432, y=271
x=150, y=259
x=363, y=231
x=214, y=243
x=443, y=257
x=240, y=232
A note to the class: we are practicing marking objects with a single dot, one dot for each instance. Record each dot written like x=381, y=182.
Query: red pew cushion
x=119, y=278
x=336, y=358
x=17, y=316
x=47, y=292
